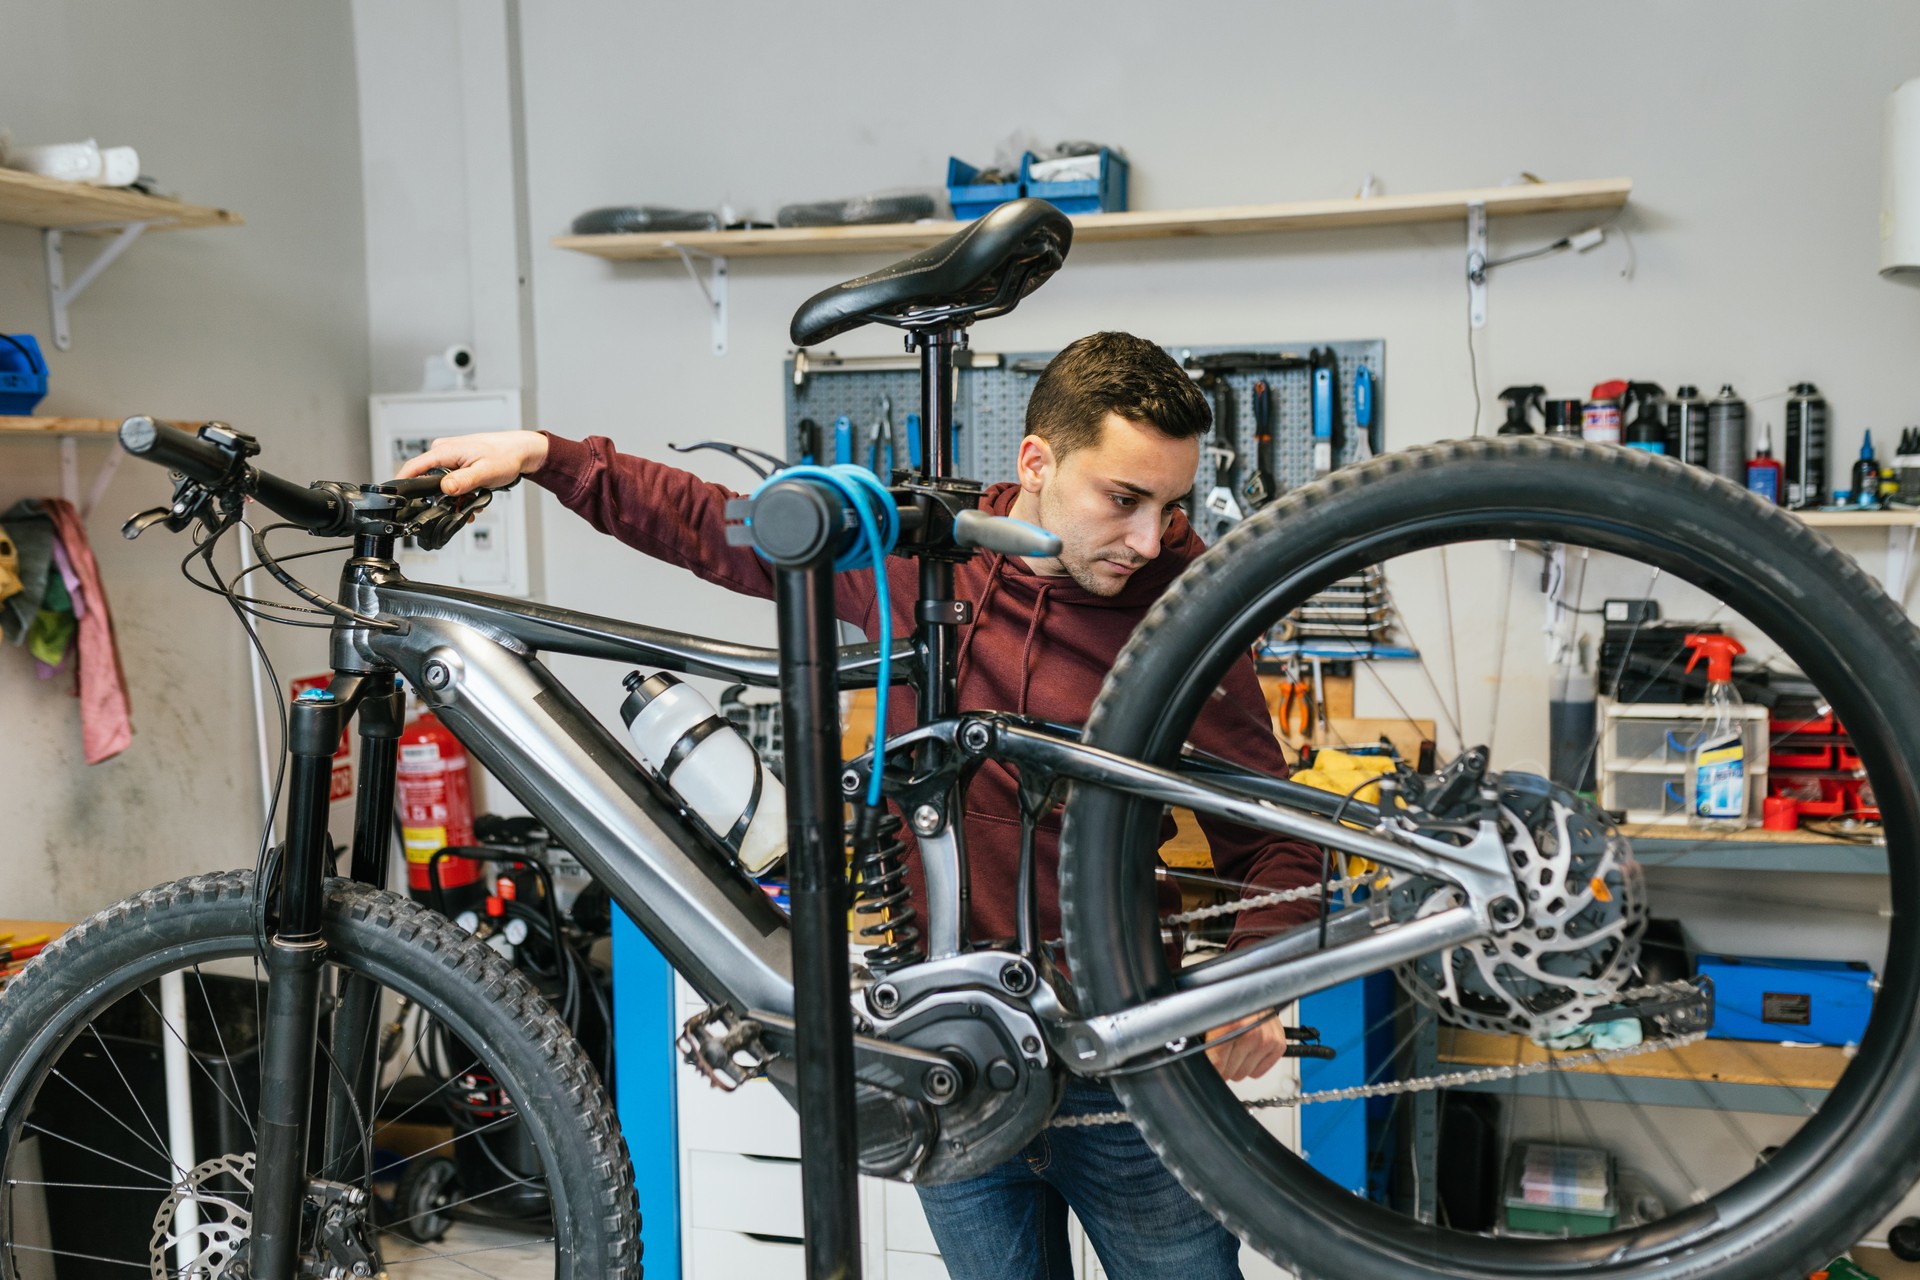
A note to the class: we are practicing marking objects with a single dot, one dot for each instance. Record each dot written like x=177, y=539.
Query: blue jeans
x=1010, y=1223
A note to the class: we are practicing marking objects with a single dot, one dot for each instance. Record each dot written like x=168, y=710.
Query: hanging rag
x=106, y=722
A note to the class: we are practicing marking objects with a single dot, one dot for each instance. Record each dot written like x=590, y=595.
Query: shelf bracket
x=70, y=475
x=60, y=294
x=1477, y=264
x=713, y=288
x=1900, y=540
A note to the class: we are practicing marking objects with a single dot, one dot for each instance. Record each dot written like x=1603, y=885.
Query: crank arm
x=896, y=1068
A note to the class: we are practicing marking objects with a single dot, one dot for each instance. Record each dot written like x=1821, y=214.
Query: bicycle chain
x=1270, y=899
x=1448, y=1080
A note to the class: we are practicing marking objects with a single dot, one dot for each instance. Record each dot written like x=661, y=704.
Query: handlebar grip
x=201, y=460
x=1004, y=534
x=174, y=449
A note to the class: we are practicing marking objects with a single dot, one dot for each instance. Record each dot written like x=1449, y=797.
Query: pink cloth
x=106, y=722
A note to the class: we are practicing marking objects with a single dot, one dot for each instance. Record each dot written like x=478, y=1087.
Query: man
x=1112, y=445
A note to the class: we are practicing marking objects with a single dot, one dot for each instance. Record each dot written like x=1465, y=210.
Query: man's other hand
x=487, y=460
x=1252, y=1054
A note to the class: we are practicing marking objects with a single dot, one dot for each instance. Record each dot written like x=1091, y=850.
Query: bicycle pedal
x=712, y=1042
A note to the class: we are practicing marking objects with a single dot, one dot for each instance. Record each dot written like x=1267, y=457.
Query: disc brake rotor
x=215, y=1231
x=1586, y=908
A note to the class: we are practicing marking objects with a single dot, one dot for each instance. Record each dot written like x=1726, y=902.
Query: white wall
x=1751, y=132
x=250, y=107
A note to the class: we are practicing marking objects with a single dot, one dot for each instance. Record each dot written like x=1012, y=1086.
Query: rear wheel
x=109, y=1163
x=1727, y=1156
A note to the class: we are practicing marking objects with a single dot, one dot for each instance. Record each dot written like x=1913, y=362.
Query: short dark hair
x=1106, y=373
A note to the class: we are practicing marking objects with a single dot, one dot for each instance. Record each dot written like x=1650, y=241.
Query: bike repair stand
x=799, y=526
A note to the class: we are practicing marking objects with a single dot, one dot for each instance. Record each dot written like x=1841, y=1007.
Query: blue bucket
x=23, y=374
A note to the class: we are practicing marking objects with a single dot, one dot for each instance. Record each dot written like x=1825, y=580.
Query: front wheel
x=1499, y=1120
x=130, y=1083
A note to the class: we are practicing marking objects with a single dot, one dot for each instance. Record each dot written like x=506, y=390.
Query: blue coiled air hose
x=862, y=491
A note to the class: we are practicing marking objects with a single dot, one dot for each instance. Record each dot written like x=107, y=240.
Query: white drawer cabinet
x=740, y=1204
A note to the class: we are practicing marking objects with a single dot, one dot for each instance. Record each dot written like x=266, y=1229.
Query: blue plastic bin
x=1105, y=194
x=23, y=374
x=1804, y=1001
x=972, y=199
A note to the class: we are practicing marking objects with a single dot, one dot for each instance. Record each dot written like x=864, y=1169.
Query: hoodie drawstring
x=1033, y=640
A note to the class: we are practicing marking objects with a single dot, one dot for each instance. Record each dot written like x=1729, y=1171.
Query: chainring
x=1586, y=908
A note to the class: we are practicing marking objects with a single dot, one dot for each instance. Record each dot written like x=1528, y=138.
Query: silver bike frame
x=473, y=659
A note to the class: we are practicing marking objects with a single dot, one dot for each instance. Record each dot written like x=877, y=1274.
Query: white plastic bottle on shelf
x=709, y=766
x=1718, y=780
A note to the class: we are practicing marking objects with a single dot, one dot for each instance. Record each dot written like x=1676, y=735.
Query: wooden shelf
x=1094, y=228
x=27, y=200
x=54, y=427
x=1739, y=1075
x=1860, y=519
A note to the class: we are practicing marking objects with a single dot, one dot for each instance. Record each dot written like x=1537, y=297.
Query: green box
x=1555, y=1220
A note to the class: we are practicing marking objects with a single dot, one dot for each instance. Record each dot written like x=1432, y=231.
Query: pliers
x=882, y=439
x=1296, y=693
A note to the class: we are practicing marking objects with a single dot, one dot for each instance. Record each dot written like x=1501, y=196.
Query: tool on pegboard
x=1265, y=485
x=1220, y=502
x=880, y=442
x=1366, y=415
x=842, y=440
x=1326, y=416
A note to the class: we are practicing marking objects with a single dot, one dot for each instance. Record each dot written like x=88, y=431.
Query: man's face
x=1109, y=504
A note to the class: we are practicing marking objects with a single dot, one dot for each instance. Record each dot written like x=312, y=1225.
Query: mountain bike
x=1491, y=922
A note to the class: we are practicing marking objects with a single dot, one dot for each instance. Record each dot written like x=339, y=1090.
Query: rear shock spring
x=880, y=890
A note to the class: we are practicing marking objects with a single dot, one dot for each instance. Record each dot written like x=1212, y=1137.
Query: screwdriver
x=1263, y=487
x=1363, y=415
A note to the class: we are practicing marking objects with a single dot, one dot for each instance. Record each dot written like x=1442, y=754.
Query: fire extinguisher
x=436, y=808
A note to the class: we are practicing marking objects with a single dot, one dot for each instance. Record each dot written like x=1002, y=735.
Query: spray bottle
x=1717, y=780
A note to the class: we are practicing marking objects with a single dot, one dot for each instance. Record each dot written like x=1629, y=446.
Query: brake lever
x=190, y=500
x=445, y=519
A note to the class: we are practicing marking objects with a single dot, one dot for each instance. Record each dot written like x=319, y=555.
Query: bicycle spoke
x=70, y=1253
x=211, y=1078
x=61, y=1137
x=102, y=1108
x=134, y=1097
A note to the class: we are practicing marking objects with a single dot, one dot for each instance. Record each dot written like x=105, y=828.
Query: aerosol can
x=1717, y=777
x=706, y=762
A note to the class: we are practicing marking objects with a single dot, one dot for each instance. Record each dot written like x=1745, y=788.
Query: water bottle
x=1727, y=436
x=1806, y=456
x=1687, y=426
x=709, y=766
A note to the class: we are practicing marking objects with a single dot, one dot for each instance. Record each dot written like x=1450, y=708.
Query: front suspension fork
x=295, y=960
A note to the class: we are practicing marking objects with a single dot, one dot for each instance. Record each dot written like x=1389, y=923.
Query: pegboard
x=990, y=406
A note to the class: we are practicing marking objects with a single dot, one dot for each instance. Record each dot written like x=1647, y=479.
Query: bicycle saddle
x=983, y=270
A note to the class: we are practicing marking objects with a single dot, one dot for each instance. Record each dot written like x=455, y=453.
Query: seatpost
x=939, y=618
x=936, y=630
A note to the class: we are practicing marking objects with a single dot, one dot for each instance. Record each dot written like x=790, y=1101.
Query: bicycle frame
x=473, y=659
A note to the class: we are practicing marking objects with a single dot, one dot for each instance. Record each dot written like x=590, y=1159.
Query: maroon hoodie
x=1040, y=646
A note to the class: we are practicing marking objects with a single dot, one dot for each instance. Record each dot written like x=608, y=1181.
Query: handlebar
x=219, y=461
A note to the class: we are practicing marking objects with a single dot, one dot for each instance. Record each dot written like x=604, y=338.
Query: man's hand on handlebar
x=487, y=460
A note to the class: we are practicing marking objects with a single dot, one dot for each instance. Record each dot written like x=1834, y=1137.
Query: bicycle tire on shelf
x=455, y=977
x=1848, y=1165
